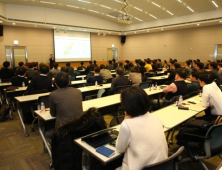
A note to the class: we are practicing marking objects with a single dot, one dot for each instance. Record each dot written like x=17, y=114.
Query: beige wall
x=182, y=44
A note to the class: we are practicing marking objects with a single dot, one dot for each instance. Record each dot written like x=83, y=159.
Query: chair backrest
x=116, y=120
x=194, y=93
x=45, y=100
x=109, y=80
x=118, y=89
x=168, y=164
x=100, y=93
x=36, y=91
x=169, y=102
x=144, y=85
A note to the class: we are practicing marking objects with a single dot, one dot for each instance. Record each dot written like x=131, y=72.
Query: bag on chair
x=4, y=112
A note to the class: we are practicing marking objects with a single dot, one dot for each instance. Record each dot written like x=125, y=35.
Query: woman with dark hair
x=141, y=134
x=135, y=76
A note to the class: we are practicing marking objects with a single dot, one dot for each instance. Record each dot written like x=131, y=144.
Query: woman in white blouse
x=141, y=134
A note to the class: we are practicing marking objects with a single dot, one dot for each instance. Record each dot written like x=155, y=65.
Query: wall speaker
x=123, y=39
x=1, y=30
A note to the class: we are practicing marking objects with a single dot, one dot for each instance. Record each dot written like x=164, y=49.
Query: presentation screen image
x=72, y=46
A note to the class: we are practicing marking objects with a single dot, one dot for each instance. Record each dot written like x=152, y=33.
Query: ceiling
x=141, y=11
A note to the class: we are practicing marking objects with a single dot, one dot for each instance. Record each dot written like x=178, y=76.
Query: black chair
x=116, y=120
x=118, y=89
x=109, y=80
x=170, y=163
x=211, y=145
x=194, y=93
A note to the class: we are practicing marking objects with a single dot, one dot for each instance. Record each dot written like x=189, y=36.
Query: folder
x=105, y=151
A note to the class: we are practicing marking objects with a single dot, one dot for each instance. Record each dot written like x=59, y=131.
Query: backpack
x=4, y=112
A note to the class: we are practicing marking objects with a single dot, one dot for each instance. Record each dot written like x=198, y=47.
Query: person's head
x=55, y=65
x=165, y=61
x=127, y=61
x=96, y=70
x=94, y=61
x=34, y=64
x=135, y=69
x=119, y=71
x=159, y=60
x=90, y=62
x=199, y=66
x=67, y=64
x=114, y=60
x=175, y=66
x=30, y=65
x=44, y=69
x=21, y=71
x=21, y=64
x=120, y=64
x=206, y=77
x=219, y=65
x=170, y=60
x=208, y=61
x=187, y=63
x=194, y=76
x=102, y=66
x=141, y=63
x=51, y=56
x=61, y=80
x=135, y=101
x=82, y=63
x=180, y=74
x=198, y=60
x=6, y=64
x=213, y=65
x=110, y=61
x=175, y=60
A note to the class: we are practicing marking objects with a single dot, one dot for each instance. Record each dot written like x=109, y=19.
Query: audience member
x=154, y=65
x=114, y=64
x=54, y=71
x=90, y=67
x=94, y=63
x=148, y=65
x=96, y=78
x=188, y=69
x=6, y=73
x=105, y=73
x=30, y=73
x=159, y=64
x=20, y=78
x=199, y=66
x=207, y=65
x=110, y=66
x=82, y=67
x=68, y=69
x=135, y=76
x=194, y=85
x=140, y=132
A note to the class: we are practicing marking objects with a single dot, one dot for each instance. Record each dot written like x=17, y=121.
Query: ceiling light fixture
x=0, y=21
x=98, y=33
x=156, y=4
x=135, y=32
x=104, y=34
x=214, y=4
x=138, y=9
x=198, y=24
x=220, y=21
x=110, y=16
x=138, y=19
x=180, y=1
x=72, y=6
x=148, y=31
x=93, y=11
x=119, y=1
x=13, y=23
x=85, y=1
x=105, y=6
x=190, y=9
x=152, y=16
x=124, y=17
x=169, y=12
x=46, y=2
x=161, y=29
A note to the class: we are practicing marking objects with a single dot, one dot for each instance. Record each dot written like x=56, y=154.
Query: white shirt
x=212, y=95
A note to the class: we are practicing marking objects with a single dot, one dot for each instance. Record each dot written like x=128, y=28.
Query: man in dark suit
x=119, y=80
x=96, y=77
x=194, y=85
x=90, y=67
x=41, y=81
x=31, y=72
x=20, y=79
x=65, y=102
x=68, y=69
x=6, y=73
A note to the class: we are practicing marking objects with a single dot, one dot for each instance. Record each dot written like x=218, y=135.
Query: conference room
x=75, y=31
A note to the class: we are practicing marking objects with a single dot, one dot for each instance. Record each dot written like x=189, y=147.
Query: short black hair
x=207, y=77
x=181, y=72
x=213, y=64
x=119, y=71
x=188, y=62
x=195, y=74
x=55, y=65
x=21, y=63
x=82, y=63
x=30, y=65
x=44, y=69
x=34, y=64
x=62, y=79
x=159, y=59
x=94, y=61
x=97, y=69
x=6, y=64
x=135, y=101
x=114, y=60
x=198, y=60
x=67, y=64
x=175, y=60
x=90, y=62
x=110, y=61
x=21, y=71
x=120, y=64
x=176, y=65
x=102, y=66
x=200, y=65
x=135, y=69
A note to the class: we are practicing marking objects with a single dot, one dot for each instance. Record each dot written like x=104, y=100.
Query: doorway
x=16, y=54
x=112, y=53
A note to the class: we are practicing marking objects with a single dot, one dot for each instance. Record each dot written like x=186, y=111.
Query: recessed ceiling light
x=0, y=21
x=46, y=2
x=110, y=16
x=180, y=1
x=85, y=1
x=135, y=32
x=161, y=29
x=215, y=4
x=13, y=23
x=138, y=19
x=72, y=6
x=148, y=31
x=169, y=12
x=152, y=16
x=190, y=9
x=35, y=25
x=93, y=11
x=105, y=6
x=119, y=33
x=84, y=30
x=156, y=4
x=198, y=24
x=220, y=21
x=138, y=8
x=109, y=32
x=54, y=27
x=119, y=1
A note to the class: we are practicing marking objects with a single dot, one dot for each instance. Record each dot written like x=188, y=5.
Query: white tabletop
x=158, y=77
x=6, y=84
x=18, y=89
x=78, y=82
x=30, y=97
x=91, y=88
x=46, y=116
x=81, y=76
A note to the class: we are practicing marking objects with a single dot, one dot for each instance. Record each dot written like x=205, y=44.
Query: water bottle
x=180, y=100
x=152, y=86
x=156, y=85
x=82, y=78
x=200, y=94
x=96, y=84
x=42, y=107
x=23, y=84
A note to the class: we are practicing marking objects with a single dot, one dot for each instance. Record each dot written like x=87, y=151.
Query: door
x=112, y=53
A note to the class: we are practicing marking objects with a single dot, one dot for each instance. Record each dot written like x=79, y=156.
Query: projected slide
x=72, y=46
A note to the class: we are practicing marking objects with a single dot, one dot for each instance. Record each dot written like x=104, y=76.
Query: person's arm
x=111, y=91
x=171, y=88
x=205, y=98
x=51, y=106
x=30, y=86
x=123, y=139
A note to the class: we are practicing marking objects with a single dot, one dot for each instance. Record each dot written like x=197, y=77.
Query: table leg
x=19, y=109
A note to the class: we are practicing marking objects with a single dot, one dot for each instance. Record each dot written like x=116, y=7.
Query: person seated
x=105, y=73
x=30, y=73
x=172, y=72
x=154, y=65
x=114, y=64
x=20, y=79
x=20, y=64
x=68, y=68
x=96, y=77
x=199, y=66
x=220, y=70
x=94, y=63
x=90, y=67
x=187, y=67
x=110, y=65
x=82, y=67
x=140, y=132
x=54, y=71
x=148, y=65
x=119, y=80
x=135, y=76
x=159, y=64
x=207, y=65
x=194, y=85
x=41, y=81
x=6, y=73
x=35, y=66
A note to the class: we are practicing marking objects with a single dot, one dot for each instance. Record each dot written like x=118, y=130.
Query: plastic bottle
x=23, y=84
x=200, y=94
x=42, y=107
x=82, y=78
x=180, y=100
x=156, y=85
x=152, y=86
x=96, y=84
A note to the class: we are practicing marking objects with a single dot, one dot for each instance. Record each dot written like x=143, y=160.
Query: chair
x=116, y=120
x=211, y=146
x=109, y=80
x=194, y=93
x=118, y=89
x=98, y=95
x=144, y=85
x=171, y=163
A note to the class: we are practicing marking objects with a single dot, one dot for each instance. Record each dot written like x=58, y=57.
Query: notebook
x=105, y=151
